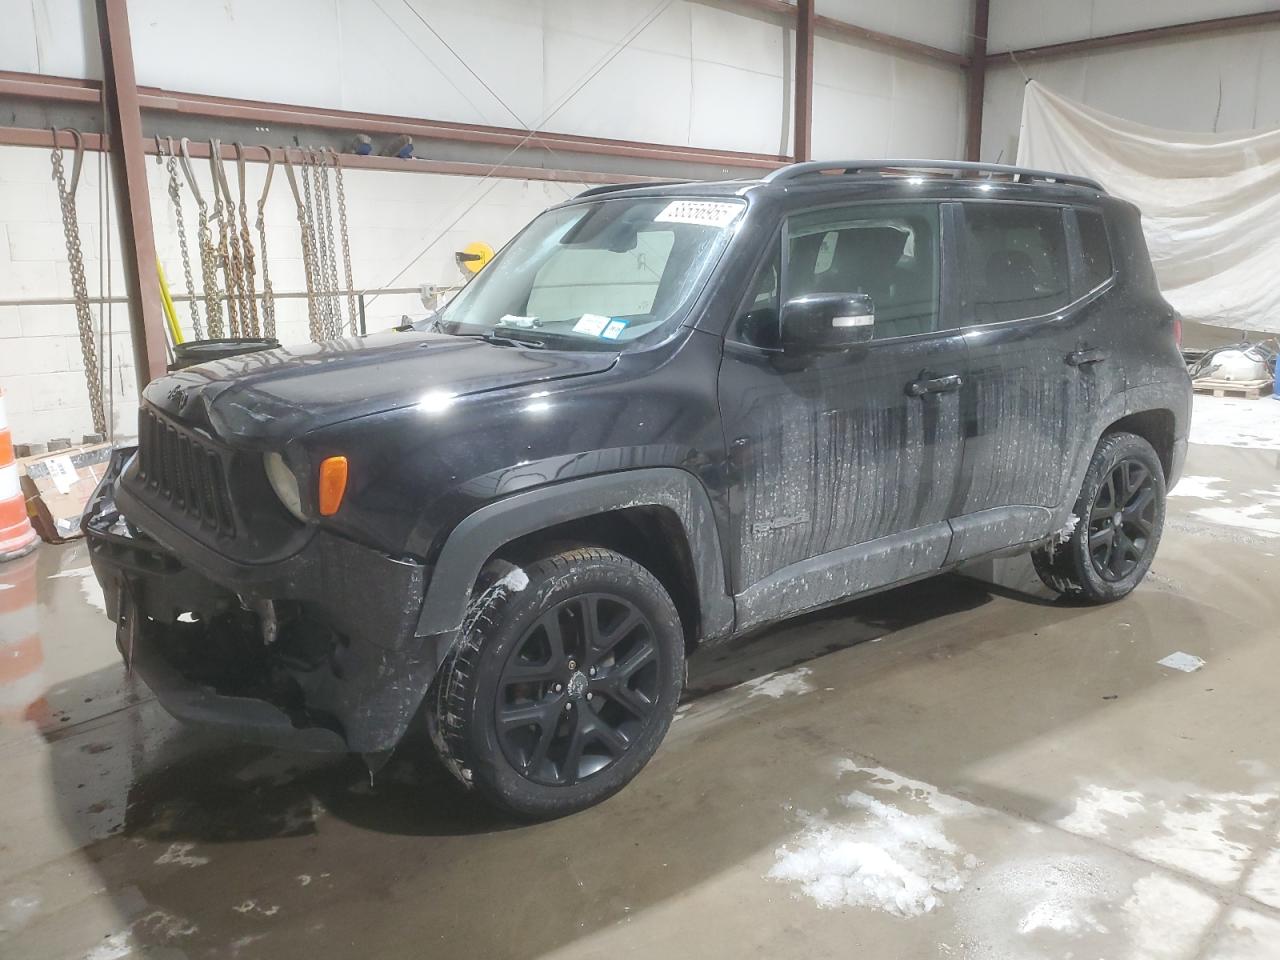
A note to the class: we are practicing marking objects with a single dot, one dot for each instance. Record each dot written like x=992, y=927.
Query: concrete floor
x=952, y=769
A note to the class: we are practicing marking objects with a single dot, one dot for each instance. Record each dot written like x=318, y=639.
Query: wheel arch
x=1156, y=426
x=661, y=517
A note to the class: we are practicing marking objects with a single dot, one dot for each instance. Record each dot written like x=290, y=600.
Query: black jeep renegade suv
x=663, y=416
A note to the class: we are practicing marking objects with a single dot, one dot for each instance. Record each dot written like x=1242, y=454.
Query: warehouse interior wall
x=1217, y=82
x=714, y=74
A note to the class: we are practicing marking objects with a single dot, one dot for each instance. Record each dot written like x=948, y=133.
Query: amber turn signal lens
x=333, y=484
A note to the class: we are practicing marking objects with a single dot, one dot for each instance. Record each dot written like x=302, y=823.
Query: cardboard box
x=58, y=485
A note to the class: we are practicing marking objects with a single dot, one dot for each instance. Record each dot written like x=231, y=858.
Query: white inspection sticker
x=707, y=213
x=62, y=472
x=592, y=324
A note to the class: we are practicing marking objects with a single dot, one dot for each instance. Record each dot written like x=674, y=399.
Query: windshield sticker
x=614, y=330
x=511, y=320
x=592, y=324
x=706, y=213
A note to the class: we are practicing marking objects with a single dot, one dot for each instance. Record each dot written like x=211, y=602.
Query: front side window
x=596, y=275
x=889, y=252
x=1016, y=261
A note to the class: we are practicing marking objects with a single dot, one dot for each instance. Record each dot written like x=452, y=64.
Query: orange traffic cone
x=17, y=536
x=21, y=655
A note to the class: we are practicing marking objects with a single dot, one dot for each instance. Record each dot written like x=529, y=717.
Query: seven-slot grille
x=185, y=471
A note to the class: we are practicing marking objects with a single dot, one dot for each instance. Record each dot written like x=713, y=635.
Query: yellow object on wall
x=475, y=256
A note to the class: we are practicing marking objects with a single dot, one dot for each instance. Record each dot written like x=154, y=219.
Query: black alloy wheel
x=1122, y=520
x=1103, y=555
x=578, y=689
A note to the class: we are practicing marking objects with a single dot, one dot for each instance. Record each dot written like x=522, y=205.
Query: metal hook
x=186, y=170
x=239, y=148
x=220, y=188
x=79, y=154
x=271, y=166
x=293, y=180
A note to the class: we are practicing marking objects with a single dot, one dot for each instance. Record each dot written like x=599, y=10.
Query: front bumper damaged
x=314, y=652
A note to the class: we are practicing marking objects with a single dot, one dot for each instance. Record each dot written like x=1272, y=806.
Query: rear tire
x=563, y=683
x=1119, y=520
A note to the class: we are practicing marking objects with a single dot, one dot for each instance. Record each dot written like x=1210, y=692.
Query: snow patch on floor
x=1247, y=936
x=1201, y=488
x=1255, y=517
x=1263, y=883
x=1229, y=422
x=1166, y=918
x=780, y=684
x=180, y=854
x=113, y=947
x=88, y=585
x=888, y=852
x=1204, y=833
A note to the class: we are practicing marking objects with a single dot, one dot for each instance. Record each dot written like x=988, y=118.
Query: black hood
x=280, y=394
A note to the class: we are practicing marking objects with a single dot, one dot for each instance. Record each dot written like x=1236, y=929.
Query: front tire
x=1119, y=520
x=563, y=683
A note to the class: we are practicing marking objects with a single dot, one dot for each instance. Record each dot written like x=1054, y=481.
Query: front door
x=843, y=465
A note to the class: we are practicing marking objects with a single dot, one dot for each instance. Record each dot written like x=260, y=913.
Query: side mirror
x=827, y=321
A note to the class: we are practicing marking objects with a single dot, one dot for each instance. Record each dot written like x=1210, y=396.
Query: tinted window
x=889, y=252
x=1017, y=261
x=1094, y=248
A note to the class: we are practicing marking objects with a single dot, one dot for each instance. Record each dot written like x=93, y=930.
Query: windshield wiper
x=504, y=340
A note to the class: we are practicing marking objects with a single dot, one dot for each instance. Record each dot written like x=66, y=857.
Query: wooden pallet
x=1247, y=389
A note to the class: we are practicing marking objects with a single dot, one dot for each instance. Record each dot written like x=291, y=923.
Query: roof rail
x=794, y=171
x=611, y=187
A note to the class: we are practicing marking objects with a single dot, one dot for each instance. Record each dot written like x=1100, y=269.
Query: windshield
x=596, y=275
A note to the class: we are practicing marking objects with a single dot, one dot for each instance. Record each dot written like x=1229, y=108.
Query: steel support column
x=802, y=148
x=133, y=202
x=976, y=77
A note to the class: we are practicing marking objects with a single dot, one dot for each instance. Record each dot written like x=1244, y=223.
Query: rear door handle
x=918, y=388
x=1080, y=358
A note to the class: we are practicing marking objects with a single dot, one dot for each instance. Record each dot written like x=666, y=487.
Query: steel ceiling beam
x=133, y=200
x=1194, y=28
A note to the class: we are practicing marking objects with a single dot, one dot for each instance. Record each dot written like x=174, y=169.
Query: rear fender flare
x=473, y=541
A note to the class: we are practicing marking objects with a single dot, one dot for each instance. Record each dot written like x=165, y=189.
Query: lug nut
x=573, y=665
x=588, y=696
x=592, y=671
x=558, y=687
x=569, y=705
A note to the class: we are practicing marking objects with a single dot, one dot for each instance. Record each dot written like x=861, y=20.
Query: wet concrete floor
x=951, y=769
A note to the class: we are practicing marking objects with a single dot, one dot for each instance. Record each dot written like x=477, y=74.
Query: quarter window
x=1017, y=261
x=1095, y=250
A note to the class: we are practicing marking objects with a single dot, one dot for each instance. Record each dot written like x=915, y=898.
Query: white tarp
x=1210, y=202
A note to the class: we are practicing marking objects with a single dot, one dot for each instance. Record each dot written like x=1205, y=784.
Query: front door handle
x=918, y=388
x=1080, y=358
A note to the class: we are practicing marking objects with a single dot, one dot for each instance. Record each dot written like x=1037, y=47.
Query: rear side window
x=1017, y=261
x=1095, y=249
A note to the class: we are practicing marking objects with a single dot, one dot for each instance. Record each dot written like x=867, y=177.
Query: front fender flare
x=473, y=541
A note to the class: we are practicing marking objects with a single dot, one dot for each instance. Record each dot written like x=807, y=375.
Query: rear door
x=1039, y=358
x=844, y=465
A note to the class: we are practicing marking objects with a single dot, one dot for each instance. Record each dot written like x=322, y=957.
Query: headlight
x=284, y=483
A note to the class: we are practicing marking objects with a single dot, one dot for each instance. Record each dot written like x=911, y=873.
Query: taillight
x=1177, y=330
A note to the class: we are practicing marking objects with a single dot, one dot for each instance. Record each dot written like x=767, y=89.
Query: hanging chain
x=346, y=243
x=208, y=255
x=308, y=250
x=330, y=247
x=75, y=260
x=228, y=239
x=246, y=253
x=268, y=298
x=175, y=197
x=322, y=254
